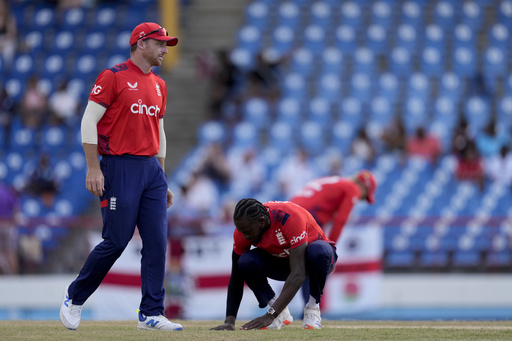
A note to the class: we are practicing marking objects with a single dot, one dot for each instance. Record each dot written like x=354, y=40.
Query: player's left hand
x=170, y=198
x=258, y=323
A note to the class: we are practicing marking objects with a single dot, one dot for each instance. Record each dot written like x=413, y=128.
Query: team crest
x=158, y=92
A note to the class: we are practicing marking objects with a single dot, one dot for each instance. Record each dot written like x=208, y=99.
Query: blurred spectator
x=215, y=165
x=294, y=173
x=470, y=167
x=64, y=106
x=34, y=105
x=7, y=108
x=42, y=181
x=30, y=253
x=461, y=137
x=222, y=222
x=224, y=76
x=247, y=172
x=499, y=167
x=9, y=218
x=8, y=33
x=488, y=141
x=424, y=145
x=394, y=136
x=362, y=146
x=263, y=80
x=197, y=202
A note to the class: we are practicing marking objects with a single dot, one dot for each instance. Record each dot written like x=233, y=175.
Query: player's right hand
x=95, y=182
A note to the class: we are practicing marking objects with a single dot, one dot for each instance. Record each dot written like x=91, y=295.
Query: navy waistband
x=128, y=156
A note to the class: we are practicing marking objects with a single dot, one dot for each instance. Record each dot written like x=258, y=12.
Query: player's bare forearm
x=295, y=279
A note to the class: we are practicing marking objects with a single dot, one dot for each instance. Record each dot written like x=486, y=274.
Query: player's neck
x=141, y=63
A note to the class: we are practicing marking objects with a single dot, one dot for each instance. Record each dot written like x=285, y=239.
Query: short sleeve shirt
x=135, y=102
x=290, y=226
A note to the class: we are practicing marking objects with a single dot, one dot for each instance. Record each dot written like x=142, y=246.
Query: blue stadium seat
x=406, y=37
x=256, y=112
x=381, y=111
x=249, y=38
x=445, y=13
x=434, y=37
x=498, y=35
x=351, y=14
x=294, y=85
x=320, y=112
x=54, y=138
x=381, y=13
x=505, y=12
x=314, y=39
x=283, y=39
x=288, y=14
x=53, y=66
x=477, y=112
x=24, y=66
x=444, y=107
x=466, y=259
x=43, y=18
x=105, y=16
x=360, y=87
x=257, y=14
x=34, y=41
x=400, y=259
x=436, y=259
x=389, y=86
x=302, y=62
x=364, y=61
x=329, y=87
x=432, y=63
x=63, y=42
x=464, y=36
x=472, y=15
x=401, y=63
x=74, y=18
x=504, y=107
x=312, y=138
x=377, y=38
x=346, y=39
x=351, y=111
x=242, y=58
x=15, y=88
x=289, y=110
x=414, y=113
x=321, y=14
x=245, y=135
x=342, y=135
x=419, y=86
x=211, y=132
x=451, y=85
x=494, y=63
x=412, y=14
x=95, y=42
x=281, y=136
x=332, y=60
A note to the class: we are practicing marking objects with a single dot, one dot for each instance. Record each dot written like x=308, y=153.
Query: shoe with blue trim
x=156, y=323
x=312, y=319
x=70, y=313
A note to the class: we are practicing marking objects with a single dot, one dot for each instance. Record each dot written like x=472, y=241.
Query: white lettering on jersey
x=96, y=89
x=139, y=108
x=297, y=239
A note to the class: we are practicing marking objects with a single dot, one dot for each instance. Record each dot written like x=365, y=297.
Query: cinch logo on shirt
x=139, y=108
x=297, y=239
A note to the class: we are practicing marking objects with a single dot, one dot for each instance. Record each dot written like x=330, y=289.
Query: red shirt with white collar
x=135, y=101
x=290, y=226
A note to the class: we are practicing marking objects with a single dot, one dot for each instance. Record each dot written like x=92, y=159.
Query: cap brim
x=171, y=41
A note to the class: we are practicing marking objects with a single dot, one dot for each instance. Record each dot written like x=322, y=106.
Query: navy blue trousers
x=257, y=265
x=135, y=195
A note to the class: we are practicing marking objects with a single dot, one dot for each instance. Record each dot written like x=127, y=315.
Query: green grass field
x=199, y=331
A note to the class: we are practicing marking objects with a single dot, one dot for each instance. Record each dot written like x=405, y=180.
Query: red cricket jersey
x=135, y=101
x=329, y=198
x=290, y=226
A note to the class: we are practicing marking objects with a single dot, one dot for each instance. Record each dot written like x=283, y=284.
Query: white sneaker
x=156, y=322
x=69, y=312
x=283, y=319
x=312, y=319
